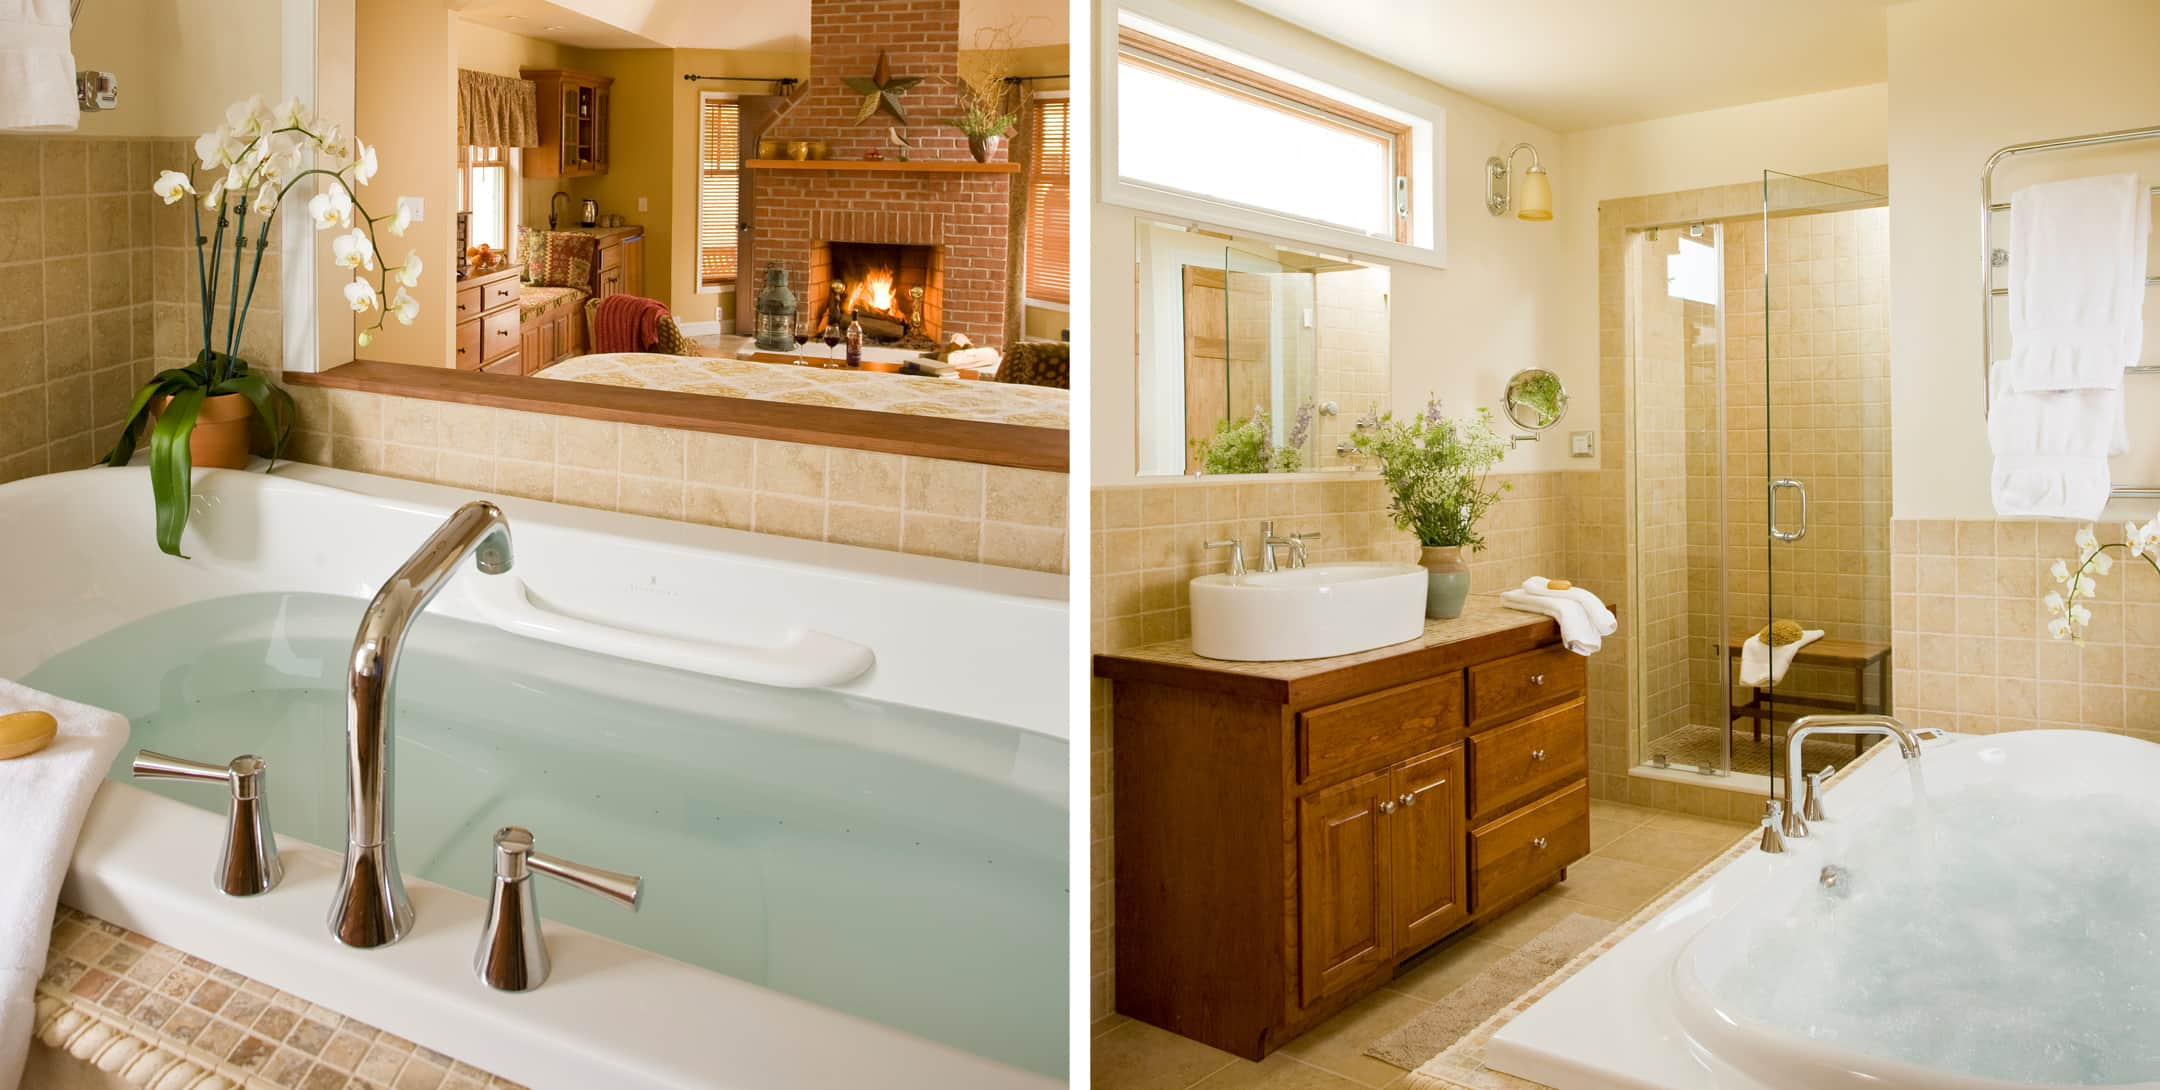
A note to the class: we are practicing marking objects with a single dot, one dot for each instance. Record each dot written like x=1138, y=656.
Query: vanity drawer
x=496, y=293
x=1522, y=760
x=468, y=302
x=1507, y=688
x=1526, y=847
x=499, y=334
x=468, y=345
x=1373, y=730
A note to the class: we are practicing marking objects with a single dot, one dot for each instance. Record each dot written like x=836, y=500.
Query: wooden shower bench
x=1855, y=655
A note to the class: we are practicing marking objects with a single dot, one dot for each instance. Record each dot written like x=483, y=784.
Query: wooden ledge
x=1015, y=445
x=886, y=166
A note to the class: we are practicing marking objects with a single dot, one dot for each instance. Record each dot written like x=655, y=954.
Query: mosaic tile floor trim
x=164, y=1020
x=1462, y=1066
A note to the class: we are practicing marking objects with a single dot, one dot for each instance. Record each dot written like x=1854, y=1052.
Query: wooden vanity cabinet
x=573, y=123
x=1285, y=834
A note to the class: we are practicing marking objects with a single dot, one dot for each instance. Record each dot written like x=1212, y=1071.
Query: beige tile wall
x=77, y=321
x=1147, y=548
x=1353, y=354
x=1973, y=652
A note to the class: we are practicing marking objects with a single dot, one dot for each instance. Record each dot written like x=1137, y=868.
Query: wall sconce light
x=1535, y=201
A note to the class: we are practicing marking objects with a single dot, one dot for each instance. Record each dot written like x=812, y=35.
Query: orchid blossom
x=2068, y=616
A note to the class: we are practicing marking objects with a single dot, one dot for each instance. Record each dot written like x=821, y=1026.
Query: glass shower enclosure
x=1759, y=388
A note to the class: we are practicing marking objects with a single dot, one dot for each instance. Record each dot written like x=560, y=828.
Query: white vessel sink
x=1307, y=613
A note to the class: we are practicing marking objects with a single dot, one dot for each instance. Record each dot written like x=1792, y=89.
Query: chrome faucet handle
x=1773, y=841
x=1813, y=810
x=249, y=862
x=1237, y=553
x=1269, y=543
x=1298, y=540
x=513, y=953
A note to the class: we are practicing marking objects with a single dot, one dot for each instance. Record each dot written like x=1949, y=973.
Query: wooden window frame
x=1028, y=295
x=1177, y=61
x=513, y=182
x=697, y=183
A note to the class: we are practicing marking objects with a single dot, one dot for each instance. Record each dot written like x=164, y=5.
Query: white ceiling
x=1581, y=64
x=774, y=25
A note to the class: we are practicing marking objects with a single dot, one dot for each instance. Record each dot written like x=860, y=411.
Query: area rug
x=1464, y=1009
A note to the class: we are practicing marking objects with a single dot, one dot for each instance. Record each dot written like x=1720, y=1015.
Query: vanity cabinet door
x=1431, y=881
x=1343, y=902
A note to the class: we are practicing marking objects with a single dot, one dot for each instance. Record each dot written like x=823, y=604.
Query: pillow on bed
x=559, y=259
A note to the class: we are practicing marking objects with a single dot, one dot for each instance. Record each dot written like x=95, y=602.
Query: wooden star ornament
x=881, y=90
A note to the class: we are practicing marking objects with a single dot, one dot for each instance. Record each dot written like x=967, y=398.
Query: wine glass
x=800, y=329
x=832, y=341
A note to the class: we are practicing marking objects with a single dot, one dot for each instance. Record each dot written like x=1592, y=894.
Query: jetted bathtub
x=2003, y=931
x=855, y=882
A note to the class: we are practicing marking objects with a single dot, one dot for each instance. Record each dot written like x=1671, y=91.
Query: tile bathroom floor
x=1635, y=854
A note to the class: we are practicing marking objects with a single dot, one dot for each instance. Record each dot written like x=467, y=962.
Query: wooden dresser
x=488, y=333
x=1287, y=833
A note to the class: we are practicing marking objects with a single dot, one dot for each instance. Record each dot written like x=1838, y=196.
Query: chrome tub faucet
x=372, y=908
x=1908, y=743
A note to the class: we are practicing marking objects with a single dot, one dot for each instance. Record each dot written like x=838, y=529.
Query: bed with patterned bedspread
x=993, y=402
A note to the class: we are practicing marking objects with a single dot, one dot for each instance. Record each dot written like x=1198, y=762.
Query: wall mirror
x=629, y=205
x=1534, y=399
x=1253, y=357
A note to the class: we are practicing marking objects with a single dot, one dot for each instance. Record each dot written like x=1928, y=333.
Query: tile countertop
x=1486, y=630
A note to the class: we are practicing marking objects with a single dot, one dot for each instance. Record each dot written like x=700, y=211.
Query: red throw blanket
x=627, y=323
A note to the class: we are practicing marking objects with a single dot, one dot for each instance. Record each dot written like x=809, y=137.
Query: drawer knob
x=1387, y=807
x=1537, y=679
x=1537, y=844
x=1537, y=755
x=1410, y=799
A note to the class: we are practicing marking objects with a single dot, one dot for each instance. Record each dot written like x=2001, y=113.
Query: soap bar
x=24, y=733
x=1558, y=584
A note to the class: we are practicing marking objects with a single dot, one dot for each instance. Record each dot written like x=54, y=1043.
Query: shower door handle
x=1794, y=534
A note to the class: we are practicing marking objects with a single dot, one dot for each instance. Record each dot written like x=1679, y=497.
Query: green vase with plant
x=203, y=413
x=1436, y=469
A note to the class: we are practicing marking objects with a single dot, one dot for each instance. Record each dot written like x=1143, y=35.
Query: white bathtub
x=964, y=708
x=2003, y=937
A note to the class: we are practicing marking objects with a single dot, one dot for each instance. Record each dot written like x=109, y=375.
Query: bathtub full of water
x=854, y=883
x=1995, y=924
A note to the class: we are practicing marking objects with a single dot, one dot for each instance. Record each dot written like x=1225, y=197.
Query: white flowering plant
x=2068, y=615
x=264, y=153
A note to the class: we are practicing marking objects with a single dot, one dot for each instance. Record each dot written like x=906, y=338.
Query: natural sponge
x=1780, y=633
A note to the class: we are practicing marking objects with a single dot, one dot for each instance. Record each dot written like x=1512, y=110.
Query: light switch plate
x=641, y=204
x=1582, y=444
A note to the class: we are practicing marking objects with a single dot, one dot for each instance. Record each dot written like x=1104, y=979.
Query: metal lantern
x=776, y=312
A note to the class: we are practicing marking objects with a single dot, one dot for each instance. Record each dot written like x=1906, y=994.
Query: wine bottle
x=854, y=341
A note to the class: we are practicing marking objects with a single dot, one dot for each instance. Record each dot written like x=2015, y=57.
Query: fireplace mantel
x=885, y=166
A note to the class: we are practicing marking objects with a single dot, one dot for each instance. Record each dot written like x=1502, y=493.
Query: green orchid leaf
x=171, y=464
x=264, y=397
x=131, y=431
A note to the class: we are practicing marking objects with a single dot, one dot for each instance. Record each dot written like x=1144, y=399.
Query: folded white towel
x=37, y=67
x=2077, y=281
x=2051, y=448
x=1600, y=616
x=1762, y=664
x=47, y=793
x=1577, y=632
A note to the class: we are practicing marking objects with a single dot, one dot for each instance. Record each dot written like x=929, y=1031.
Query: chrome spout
x=1908, y=743
x=372, y=908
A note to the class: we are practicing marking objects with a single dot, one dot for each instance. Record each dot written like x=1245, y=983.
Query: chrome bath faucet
x=1908, y=743
x=372, y=908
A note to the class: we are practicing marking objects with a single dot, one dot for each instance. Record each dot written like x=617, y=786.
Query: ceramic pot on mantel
x=223, y=431
x=1447, y=580
x=983, y=147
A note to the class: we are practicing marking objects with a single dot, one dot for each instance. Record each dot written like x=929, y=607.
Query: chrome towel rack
x=1993, y=257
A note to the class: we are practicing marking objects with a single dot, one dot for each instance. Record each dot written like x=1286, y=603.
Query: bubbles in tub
x=1997, y=932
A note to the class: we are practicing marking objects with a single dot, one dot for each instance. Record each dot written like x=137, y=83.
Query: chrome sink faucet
x=1296, y=543
x=1908, y=743
x=372, y=908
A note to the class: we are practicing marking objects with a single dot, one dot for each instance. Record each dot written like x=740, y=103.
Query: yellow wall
x=688, y=304
x=179, y=62
x=485, y=49
x=406, y=77
x=1967, y=77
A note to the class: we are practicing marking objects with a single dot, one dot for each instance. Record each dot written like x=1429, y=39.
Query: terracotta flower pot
x=1447, y=580
x=983, y=147
x=224, y=429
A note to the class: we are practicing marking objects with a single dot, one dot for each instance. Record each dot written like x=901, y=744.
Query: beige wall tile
x=791, y=469
x=944, y=488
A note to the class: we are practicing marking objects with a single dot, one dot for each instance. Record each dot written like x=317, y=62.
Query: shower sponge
x=1780, y=633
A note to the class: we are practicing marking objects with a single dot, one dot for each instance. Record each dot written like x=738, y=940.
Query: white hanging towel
x=1600, y=616
x=1577, y=632
x=2077, y=282
x=1762, y=664
x=37, y=67
x=2051, y=448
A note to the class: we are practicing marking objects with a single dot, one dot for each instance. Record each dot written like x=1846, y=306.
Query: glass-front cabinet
x=573, y=123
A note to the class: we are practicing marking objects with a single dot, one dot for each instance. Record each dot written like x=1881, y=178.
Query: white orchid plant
x=2068, y=615
x=265, y=153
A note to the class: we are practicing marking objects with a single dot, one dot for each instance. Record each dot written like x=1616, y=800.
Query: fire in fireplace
x=890, y=289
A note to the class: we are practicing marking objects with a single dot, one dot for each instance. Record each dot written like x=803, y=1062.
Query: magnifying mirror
x=1535, y=399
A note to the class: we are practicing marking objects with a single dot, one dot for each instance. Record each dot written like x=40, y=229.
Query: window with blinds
x=719, y=188
x=1049, y=218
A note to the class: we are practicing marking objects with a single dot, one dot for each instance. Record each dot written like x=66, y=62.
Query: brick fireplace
x=942, y=217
